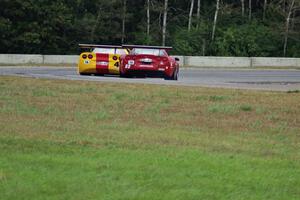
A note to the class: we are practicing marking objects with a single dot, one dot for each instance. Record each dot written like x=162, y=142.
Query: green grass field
x=87, y=140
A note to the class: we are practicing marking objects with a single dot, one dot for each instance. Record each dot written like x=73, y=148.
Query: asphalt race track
x=277, y=80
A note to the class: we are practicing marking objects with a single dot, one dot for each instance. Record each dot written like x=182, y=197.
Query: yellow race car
x=103, y=59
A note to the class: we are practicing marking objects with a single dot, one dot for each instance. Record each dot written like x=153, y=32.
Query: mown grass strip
x=83, y=140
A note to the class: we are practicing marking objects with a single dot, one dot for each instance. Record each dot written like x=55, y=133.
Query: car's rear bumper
x=148, y=73
x=94, y=69
x=82, y=68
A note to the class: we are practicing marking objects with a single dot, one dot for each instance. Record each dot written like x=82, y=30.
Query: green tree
x=57, y=26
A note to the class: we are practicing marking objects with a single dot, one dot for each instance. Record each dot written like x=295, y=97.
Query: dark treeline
x=192, y=27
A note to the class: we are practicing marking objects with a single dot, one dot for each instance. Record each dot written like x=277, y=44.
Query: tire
x=122, y=75
x=84, y=74
x=174, y=77
x=125, y=75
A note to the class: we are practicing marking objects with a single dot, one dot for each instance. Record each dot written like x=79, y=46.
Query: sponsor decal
x=146, y=60
x=102, y=63
x=130, y=62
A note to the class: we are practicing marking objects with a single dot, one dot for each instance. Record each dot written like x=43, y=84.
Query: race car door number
x=116, y=64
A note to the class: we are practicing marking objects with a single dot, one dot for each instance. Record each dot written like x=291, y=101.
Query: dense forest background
x=192, y=27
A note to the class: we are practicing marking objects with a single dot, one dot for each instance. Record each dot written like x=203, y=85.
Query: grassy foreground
x=86, y=140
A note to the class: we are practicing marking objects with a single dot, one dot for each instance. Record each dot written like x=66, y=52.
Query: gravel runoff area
x=260, y=79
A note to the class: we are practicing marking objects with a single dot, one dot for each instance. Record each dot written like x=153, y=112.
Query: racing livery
x=104, y=59
x=149, y=61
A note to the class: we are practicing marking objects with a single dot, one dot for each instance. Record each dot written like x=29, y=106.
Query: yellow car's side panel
x=114, y=65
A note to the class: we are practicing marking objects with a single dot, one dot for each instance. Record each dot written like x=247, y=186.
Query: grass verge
x=85, y=140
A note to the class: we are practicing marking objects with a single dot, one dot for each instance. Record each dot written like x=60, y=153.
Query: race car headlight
x=130, y=62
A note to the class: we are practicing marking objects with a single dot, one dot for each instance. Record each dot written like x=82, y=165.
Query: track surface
x=279, y=80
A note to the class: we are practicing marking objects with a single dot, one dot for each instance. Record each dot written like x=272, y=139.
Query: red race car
x=149, y=61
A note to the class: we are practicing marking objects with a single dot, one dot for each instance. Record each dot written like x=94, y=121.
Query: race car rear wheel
x=173, y=77
x=125, y=75
x=84, y=74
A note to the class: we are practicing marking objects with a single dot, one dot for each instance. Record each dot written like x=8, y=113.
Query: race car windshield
x=155, y=52
x=109, y=51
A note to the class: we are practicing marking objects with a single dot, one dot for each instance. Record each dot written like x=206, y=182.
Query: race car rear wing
x=145, y=47
x=99, y=46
